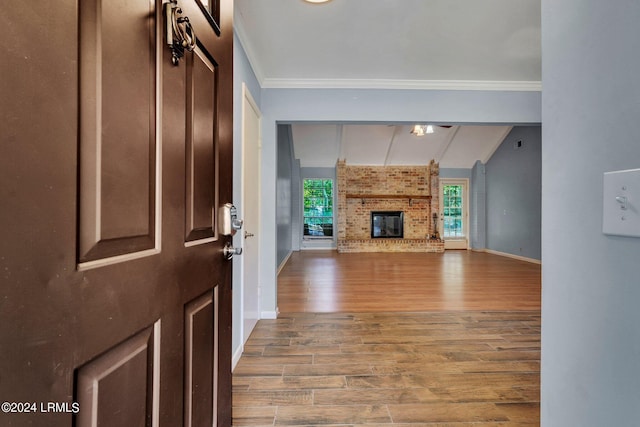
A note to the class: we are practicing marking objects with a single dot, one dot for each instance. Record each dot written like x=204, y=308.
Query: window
x=318, y=207
x=453, y=204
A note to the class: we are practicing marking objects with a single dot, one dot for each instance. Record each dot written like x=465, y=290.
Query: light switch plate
x=621, y=206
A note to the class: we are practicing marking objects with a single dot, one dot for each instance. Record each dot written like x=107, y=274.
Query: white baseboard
x=236, y=357
x=456, y=244
x=238, y=353
x=284, y=262
x=518, y=257
x=319, y=248
x=269, y=315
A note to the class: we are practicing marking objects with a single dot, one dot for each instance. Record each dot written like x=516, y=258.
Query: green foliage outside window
x=318, y=207
x=452, y=203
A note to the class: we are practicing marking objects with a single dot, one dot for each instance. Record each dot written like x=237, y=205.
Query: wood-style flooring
x=446, y=360
x=326, y=281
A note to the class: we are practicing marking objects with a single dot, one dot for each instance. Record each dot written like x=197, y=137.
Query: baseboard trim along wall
x=333, y=247
x=284, y=262
x=236, y=357
x=518, y=257
x=271, y=315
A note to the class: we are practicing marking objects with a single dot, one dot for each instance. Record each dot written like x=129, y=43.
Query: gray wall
x=284, y=203
x=478, y=208
x=513, y=189
x=590, y=281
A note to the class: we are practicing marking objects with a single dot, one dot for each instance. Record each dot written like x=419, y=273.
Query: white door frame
x=250, y=196
x=462, y=243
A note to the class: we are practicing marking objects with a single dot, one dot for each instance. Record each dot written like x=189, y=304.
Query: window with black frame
x=318, y=208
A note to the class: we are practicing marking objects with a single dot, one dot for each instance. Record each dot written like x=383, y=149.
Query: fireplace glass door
x=387, y=225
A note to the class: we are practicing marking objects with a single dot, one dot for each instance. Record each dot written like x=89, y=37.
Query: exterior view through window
x=318, y=207
x=453, y=213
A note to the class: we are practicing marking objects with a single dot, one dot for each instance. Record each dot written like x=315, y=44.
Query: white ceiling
x=393, y=43
x=320, y=145
x=398, y=44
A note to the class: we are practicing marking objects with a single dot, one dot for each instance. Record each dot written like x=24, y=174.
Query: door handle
x=247, y=234
x=229, y=251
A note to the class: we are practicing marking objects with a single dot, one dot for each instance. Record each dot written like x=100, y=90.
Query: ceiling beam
x=447, y=143
x=396, y=131
x=497, y=144
x=340, y=141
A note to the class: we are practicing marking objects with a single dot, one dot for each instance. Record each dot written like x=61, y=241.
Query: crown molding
x=513, y=86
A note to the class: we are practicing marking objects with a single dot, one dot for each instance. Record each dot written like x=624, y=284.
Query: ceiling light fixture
x=421, y=130
x=316, y=1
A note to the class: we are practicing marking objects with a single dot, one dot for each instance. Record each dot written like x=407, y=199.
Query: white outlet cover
x=621, y=204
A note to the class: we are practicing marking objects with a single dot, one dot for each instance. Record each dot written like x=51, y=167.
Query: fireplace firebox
x=387, y=224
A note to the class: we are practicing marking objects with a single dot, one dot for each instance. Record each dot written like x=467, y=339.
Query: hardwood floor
x=325, y=281
x=455, y=346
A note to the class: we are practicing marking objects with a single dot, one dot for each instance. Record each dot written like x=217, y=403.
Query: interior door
x=115, y=297
x=251, y=215
x=454, y=217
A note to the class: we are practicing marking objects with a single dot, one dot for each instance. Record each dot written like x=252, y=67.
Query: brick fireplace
x=412, y=190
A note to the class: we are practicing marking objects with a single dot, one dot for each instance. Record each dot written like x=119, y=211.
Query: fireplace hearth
x=387, y=225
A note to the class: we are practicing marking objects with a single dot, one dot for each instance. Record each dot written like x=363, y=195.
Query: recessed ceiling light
x=317, y=1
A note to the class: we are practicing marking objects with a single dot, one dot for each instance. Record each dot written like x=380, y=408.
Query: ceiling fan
x=422, y=130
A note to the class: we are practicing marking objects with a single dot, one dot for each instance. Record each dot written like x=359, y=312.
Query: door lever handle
x=247, y=234
x=229, y=251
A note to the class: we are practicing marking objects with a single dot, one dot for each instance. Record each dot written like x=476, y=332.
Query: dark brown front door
x=115, y=297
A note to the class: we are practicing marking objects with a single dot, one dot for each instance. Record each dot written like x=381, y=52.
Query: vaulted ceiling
x=319, y=145
x=393, y=44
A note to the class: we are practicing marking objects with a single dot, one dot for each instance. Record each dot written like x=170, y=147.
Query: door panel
x=201, y=146
x=118, y=159
x=93, y=167
x=201, y=360
x=121, y=386
x=211, y=8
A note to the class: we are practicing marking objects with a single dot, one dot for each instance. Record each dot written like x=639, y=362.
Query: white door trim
x=462, y=243
x=250, y=200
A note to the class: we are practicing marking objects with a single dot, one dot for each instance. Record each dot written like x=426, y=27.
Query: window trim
x=463, y=241
x=333, y=209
